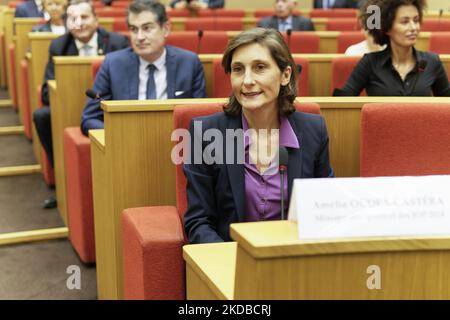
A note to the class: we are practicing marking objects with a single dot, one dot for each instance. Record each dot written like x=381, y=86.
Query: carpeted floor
x=33, y=270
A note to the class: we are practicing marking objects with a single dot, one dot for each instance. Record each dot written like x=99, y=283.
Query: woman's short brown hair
x=388, y=11
x=272, y=40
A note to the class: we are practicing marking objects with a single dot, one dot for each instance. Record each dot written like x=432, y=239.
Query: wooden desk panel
x=9, y=34
x=73, y=76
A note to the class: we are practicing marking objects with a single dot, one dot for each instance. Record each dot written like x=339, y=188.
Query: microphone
x=289, y=32
x=199, y=36
x=420, y=69
x=441, y=11
x=92, y=94
x=299, y=68
x=283, y=158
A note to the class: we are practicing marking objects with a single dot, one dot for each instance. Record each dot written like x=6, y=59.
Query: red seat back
x=111, y=12
x=178, y=13
x=342, y=24
x=95, y=66
x=213, y=42
x=341, y=69
x=26, y=112
x=302, y=42
x=333, y=13
x=184, y=39
x=348, y=38
x=435, y=25
x=120, y=24
x=211, y=23
x=231, y=13
x=399, y=139
x=439, y=42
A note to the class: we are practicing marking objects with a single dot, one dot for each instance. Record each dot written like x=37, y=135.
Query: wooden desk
x=3, y=82
x=271, y=263
x=73, y=76
x=23, y=27
x=39, y=44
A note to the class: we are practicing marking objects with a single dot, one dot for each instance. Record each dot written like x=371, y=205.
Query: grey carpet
x=39, y=271
x=16, y=150
x=8, y=117
x=20, y=204
x=33, y=270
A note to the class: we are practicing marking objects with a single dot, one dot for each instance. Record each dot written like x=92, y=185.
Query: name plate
x=371, y=207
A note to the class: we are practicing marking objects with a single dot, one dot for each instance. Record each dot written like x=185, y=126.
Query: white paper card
x=369, y=207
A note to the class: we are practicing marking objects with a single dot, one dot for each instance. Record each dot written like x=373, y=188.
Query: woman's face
x=406, y=26
x=256, y=78
x=55, y=8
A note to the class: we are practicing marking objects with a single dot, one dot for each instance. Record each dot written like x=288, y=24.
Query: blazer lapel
x=171, y=67
x=295, y=155
x=236, y=171
x=133, y=75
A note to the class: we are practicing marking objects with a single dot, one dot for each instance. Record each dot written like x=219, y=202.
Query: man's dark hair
x=157, y=8
x=388, y=11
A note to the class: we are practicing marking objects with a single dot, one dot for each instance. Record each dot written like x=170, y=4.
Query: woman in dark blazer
x=56, y=10
x=237, y=181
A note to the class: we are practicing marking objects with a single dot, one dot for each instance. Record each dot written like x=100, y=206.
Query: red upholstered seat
x=213, y=42
x=435, y=25
x=231, y=13
x=77, y=155
x=111, y=12
x=153, y=237
x=46, y=168
x=211, y=23
x=12, y=65
x=342, y=24
x=348, y=38
x=439, y=42
x=222, y=84
x=95, y=66
x=120, y=24
x=399, y=139
x=184, y=39
x=26, y=112
x=341, y=69
x=333, y=13
x=302, y=42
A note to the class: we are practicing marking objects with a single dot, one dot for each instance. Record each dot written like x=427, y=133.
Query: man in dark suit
x=84, y=39
x=29, y=9
x=335, y=4
x=285, y=19
x=150, y=70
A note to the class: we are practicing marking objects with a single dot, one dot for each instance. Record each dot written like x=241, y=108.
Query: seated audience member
x=285, y=20
x=56, y=10
x=196, y=5
x=84, y=38
x=263, y=80
x=29, y=9
x=335, y=4
x=400, y=69
x=366, y=46
x=148, y=70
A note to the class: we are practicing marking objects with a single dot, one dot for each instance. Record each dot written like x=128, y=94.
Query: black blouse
x=376, y=74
